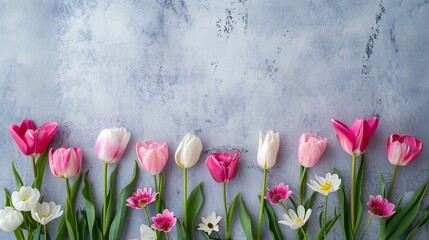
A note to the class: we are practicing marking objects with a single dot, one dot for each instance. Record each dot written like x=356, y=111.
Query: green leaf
x=40, y=166
x=382, y=185
x=321, y=219
x=328, y=227
x=308, y=204
x=181, y=232
x=89, y=207
x=70, y=230
x=19, y=235
x=195, y=201
x=116, y=228
x=16, y=177
x=345, y=221
x=271, y=219
x=36, y=232
x=231, y=211
x=358, y=193
x=400, y=222
x=82, y=227
x=110, y=199
x=7, y=201
x=423, y=221
x=245, y=219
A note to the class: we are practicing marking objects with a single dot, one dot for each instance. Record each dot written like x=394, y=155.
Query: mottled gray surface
x=221, y=69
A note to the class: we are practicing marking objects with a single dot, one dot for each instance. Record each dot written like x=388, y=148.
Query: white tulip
x=10, y=219
x=189, y=150
x=268, y=147
x=25, y=199
x=46, y=212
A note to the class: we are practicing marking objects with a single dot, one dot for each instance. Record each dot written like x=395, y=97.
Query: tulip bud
x=402, y=150
x=223, y=167
x=65, y=162
x=268, y=148
x=189, y=150
x=310, y=149
x=111, y=144
x=10, y=219
x=152, y=156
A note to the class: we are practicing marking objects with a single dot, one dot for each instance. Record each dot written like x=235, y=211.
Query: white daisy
x=209, y=224
x=295, y=221
x=330, y=183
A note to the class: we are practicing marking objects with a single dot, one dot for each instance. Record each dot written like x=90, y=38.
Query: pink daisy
x=141, y=198
x=380, y=207
x=164, y=222
x=280, y=193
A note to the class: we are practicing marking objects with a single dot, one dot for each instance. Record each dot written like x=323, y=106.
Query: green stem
x=30, y=234
x=325, y=217
x=261, y=207
x=147, y=216
x=155, y=182
x=366, y=227
x=33, y=162
x=44, y=230
x=69, y=207
x=105, y=199
x=160, y=191
x=185, y=197
x=226, y=212
x=303, y=233
x=285, y=208
x=166, y=235
x=301, y=186
x=352, y=194
x=393, y=181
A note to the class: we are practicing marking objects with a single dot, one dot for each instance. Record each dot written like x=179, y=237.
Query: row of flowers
x=27, y=215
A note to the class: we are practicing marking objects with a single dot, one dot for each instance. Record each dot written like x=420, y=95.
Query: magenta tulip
x=402, y=150
x=310, y=149
x=223, y=167
x=32, y=141
x=65, y=162
x=152, y=156
x=111, y=144
x=354, y=140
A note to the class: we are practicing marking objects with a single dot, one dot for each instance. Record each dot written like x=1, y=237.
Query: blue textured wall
x=221, y=69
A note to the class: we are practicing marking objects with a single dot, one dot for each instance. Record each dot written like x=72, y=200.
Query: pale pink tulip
x=65, y=162
x=402, y=150
x=152, y=156
x=355, y=140
x=223, y=167
x=32, y=141
x=380, y=207
x=111, y=144
x=310, y=149
x=164, y=222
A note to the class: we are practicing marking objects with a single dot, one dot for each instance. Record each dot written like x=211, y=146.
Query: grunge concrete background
x=223, y=70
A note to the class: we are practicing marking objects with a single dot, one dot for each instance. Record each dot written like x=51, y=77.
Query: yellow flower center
x=326, y=187
x=298, y=221
x=43, y=216
x=25, y=199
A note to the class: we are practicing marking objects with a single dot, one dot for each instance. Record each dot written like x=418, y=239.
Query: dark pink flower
x=280, y=193
x=223, y=167
x=32, y=141
x=164, y=222
x=355, y=140
x=402, y=150
x=380, y=207
x=141, y=198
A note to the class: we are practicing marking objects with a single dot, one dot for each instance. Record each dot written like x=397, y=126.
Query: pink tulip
x=354, y=141
x=164, y=222
x=32, y=141
x=111, y=144
x=402, y=150
x=141, y=198
x=310, y=149
x=65, y=162
x=380, y=207
x=152, y=156
x=223, y=167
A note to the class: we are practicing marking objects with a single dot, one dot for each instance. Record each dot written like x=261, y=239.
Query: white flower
x=295, y=221
x=330, y=183
x=46, y=212
x=209, y=224
x=10, y=219
x=146, y=233
x=25, y=199
x=189, y=150
x=268, y=148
